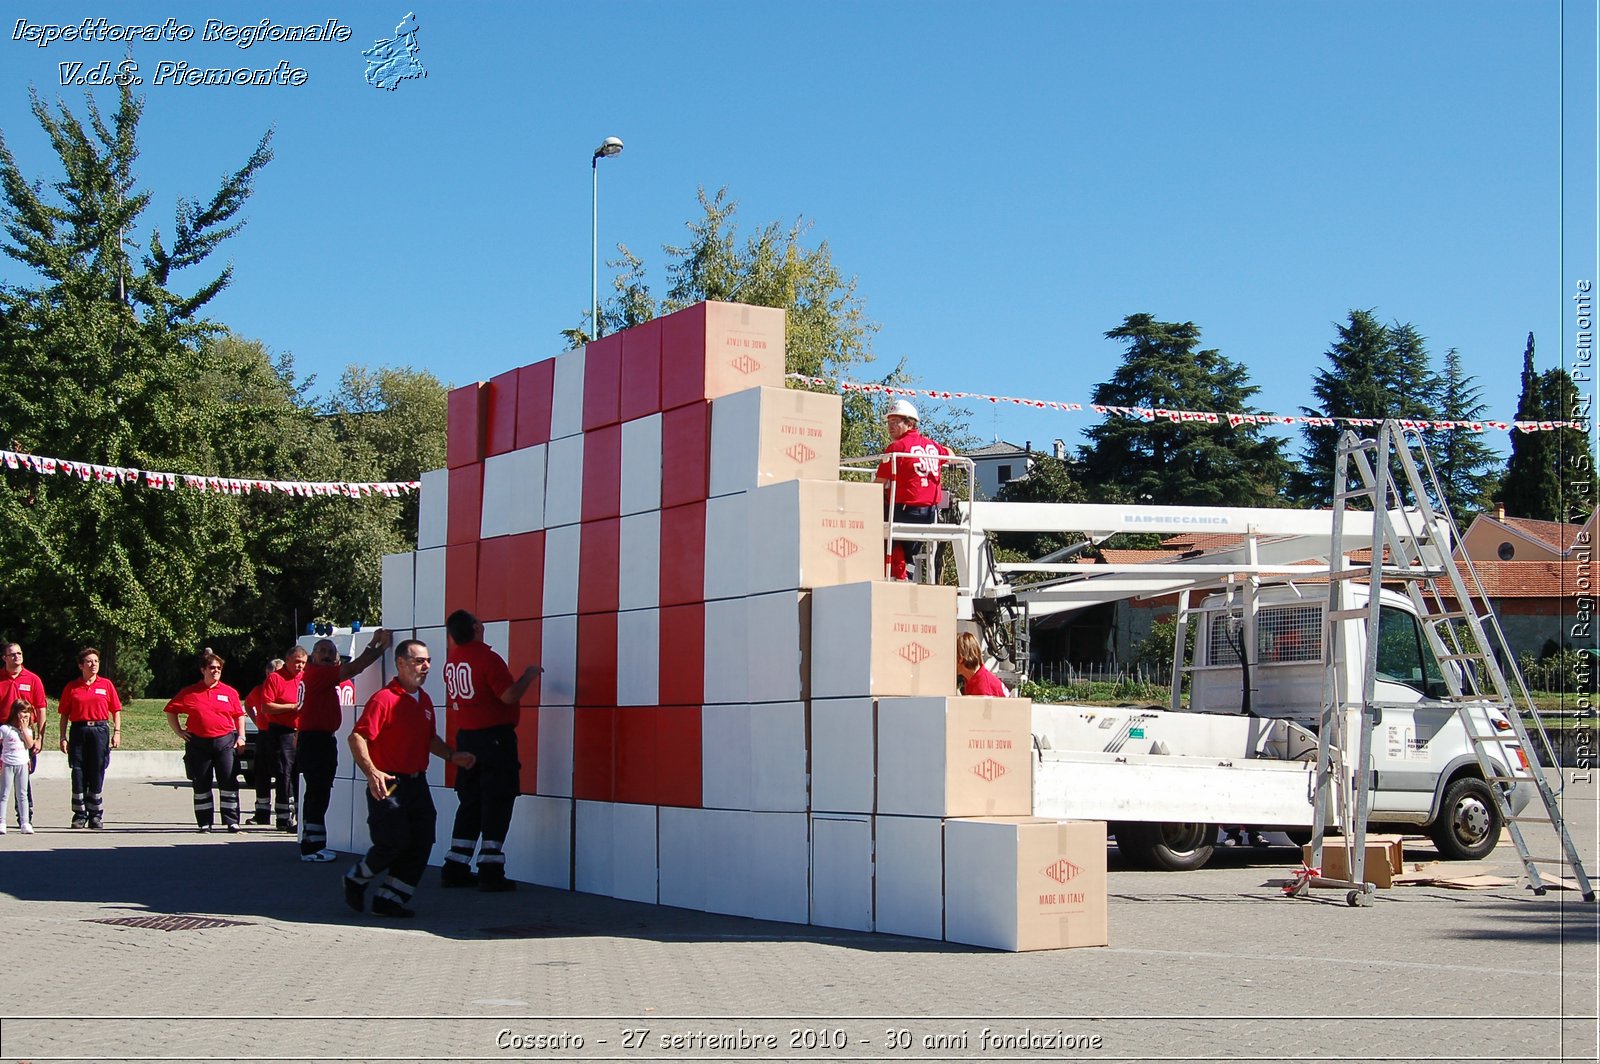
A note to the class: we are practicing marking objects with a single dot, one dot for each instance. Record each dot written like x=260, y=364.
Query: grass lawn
x=144, y=726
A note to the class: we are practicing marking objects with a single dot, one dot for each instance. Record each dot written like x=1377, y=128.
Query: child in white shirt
x=16, y=738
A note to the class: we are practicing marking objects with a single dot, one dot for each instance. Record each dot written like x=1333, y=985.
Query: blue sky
x=1005, y=182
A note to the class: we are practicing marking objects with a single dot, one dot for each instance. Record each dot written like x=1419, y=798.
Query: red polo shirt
x=474, y=679
x=320, y=710
x=915, y=480
x=399, y=729
x=211, y=711
x=82, y=702
x=26, y=686
x=282, y=686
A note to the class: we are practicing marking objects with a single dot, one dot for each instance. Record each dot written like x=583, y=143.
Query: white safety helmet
x=903, y=408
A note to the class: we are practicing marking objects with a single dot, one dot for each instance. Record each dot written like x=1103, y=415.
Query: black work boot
x=457, y=874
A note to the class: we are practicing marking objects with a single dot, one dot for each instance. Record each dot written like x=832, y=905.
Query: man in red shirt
x=316, y=750
x=911, y=468
x=17, y=682
x=92, y=708
x=485, y=704
x=391, y=743
x=275, y=739
x=973, y=677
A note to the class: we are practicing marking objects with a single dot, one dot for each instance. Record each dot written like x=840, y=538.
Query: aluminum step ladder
x=1414, y=545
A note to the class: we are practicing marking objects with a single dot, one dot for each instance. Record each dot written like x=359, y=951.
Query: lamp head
x=608, y=147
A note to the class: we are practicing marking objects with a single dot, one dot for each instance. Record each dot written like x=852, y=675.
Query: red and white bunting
x=1202, y=417
x=88, y=472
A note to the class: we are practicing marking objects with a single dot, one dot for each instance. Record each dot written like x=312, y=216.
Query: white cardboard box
x=558, y=653
x=778, y=757
x=639, y=561
x=725, y=761
x=883, y=638
x=727, y=670
x=641, y=465
x=727, y=547
x=909, y=890
x=638, y=657
x=445, y=804
x=778, y=646
x=1023, y=883
x=685, y=855
x=555, y=751
x=765, y=435
x=843, y=755
x=433, y=508
x=776, y=868
x=527, y=489
x=429, y=588
x=539, y=844
x=809, y=533
x=841, y=871
x=616, y=850
x=399, y=590
x=499, y=486
x=955, y=756
x=563, y=482
x=562, y=556
x=566, y=402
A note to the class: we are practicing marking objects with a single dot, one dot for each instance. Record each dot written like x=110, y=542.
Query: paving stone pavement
x=1214, y=964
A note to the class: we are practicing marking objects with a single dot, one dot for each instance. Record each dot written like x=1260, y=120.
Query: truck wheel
x=1167, y=847
x=1468, y=825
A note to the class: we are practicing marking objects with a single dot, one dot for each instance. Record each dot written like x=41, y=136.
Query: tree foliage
x=1373, y=371
x=1468, y=468
x=829, y=332
x=1550, y=475
x=1190, y=463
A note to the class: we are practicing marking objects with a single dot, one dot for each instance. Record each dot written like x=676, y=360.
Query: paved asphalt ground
x=1214, y=964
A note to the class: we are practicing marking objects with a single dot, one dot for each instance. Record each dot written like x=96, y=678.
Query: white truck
x=1244, y=750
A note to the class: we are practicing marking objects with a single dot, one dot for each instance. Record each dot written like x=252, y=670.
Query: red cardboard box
x=594, y=753
x=683, y=657
x=526, y=637
x=641, y=371
x=535, y=386
x=686, y=454
x=602, y=382
x=464, y=425
x=713, y=349
x=597, y=567
x=602, y=473
x=494, y=564
x=683, y=556
x=464, y=514
x=524, y=576
x=678, y=764
x=460, y=578
x=597, y=660
x=500, y=434
x=528, y=750
x=637, y=754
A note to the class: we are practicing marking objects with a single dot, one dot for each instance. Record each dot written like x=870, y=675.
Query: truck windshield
x=1403, y=655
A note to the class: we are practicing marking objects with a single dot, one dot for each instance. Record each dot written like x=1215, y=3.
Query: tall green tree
x=1193, y=463
x=1373, y=371
x=829, y=332
x=106, y=364
x=1531, y=487
x=1468, y=468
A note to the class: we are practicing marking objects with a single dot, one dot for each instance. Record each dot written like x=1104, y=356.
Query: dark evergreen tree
x=1373, y=371
x=1467, y=466
x=1194, y=463
x=1532, y=486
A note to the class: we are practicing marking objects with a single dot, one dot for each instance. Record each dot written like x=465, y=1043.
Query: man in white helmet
x=911, y=469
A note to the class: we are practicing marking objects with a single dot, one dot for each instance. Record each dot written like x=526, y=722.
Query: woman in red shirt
x=91, y=727
x=213, y=730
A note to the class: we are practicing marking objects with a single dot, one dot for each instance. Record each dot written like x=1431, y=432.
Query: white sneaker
x=27, y=829
x=2, y=829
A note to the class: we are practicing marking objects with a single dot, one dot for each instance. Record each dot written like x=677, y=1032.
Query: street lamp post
x=608, y=147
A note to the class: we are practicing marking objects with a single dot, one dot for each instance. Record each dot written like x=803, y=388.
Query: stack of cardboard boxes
x=738, y=714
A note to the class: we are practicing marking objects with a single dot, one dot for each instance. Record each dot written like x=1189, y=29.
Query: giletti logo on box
x=745, y=364
x=1062, y=871
x=841, y=547
x=800, y=454
x=988, y=770
x=915, y=653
